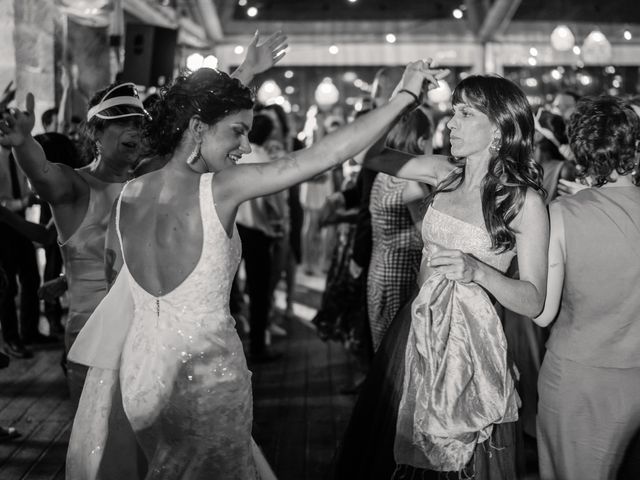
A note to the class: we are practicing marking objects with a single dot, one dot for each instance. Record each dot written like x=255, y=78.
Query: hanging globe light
x=326, y=94
x=268, y=91
x=596, y=48
x=441, y=94
x=194, y=61
x=562, y=38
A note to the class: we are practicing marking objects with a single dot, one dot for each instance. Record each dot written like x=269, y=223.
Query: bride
x=171, y=355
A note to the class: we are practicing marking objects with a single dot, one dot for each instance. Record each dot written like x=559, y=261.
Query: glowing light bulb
x=457, y=13
x=252, y=11
x=391, y=38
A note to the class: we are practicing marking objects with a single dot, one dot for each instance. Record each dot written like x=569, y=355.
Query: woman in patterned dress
x=395, y=207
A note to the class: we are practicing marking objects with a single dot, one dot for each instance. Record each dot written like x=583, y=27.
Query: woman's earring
x=195, y=155
x=494, y=147
x=98, y=148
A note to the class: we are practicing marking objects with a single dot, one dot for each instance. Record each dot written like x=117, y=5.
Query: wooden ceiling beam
x=497, y=19
x=474, y=14
x=210, y=19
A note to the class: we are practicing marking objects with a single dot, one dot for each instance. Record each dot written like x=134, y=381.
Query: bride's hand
x=455, y=265
x=417, y=73
x=264, y=55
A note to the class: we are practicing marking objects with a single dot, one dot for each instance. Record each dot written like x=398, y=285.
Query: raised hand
x=417, y=73
x=263, y=56
x=16, y=125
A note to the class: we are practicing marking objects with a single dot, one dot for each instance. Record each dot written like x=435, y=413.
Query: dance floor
x=299, y=411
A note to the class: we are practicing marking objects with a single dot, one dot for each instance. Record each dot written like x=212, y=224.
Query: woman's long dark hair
x=512, y=170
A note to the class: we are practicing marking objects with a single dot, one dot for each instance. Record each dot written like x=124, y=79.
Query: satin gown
x=186, y=388
x=427, y=378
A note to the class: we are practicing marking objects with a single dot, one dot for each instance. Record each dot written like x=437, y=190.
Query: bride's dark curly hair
x=512, y=169
x=207, y=92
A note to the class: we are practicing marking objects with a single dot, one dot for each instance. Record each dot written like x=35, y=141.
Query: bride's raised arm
x=254, y=180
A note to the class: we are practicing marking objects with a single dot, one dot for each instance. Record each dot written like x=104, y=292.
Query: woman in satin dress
x=173, y=351
x=440, y=401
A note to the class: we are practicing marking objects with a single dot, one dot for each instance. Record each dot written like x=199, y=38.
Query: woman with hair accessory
x=440, y=396
x=81, y=199
x=589, y=382
x=169, y=341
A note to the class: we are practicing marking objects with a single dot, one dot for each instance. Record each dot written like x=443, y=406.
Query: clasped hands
x=415, y=76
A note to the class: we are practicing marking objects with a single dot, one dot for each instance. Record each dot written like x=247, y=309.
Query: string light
x=533, y=51
x=391, y=38
x=252, y=11
x=576, y=50
x=532, y=61
x=242, y=3
x=333, y=49
x=457, y=13
x=288, y=74
x=627, y=35
x=239, y=50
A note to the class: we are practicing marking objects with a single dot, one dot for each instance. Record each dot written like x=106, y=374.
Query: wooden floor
x=298, y=411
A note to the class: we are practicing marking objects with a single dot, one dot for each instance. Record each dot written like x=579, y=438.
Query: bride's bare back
x=161, y=227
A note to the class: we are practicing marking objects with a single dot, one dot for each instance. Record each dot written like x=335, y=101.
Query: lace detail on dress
x=185, y=384
x=441, y=229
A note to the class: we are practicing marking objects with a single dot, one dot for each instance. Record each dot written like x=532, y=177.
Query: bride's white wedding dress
x=179, y=364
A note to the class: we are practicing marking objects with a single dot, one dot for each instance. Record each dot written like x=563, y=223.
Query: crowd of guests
x=481, y=267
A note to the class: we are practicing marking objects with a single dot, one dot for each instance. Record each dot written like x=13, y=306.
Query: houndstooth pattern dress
x=395, y=256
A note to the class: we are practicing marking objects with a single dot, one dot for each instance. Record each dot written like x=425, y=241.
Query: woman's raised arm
x=249, y=181
x=54, y=183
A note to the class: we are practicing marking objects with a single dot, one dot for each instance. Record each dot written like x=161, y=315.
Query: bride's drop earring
x=195, y=155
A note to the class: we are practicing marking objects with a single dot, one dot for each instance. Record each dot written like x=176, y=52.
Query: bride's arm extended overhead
x=254, y=180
